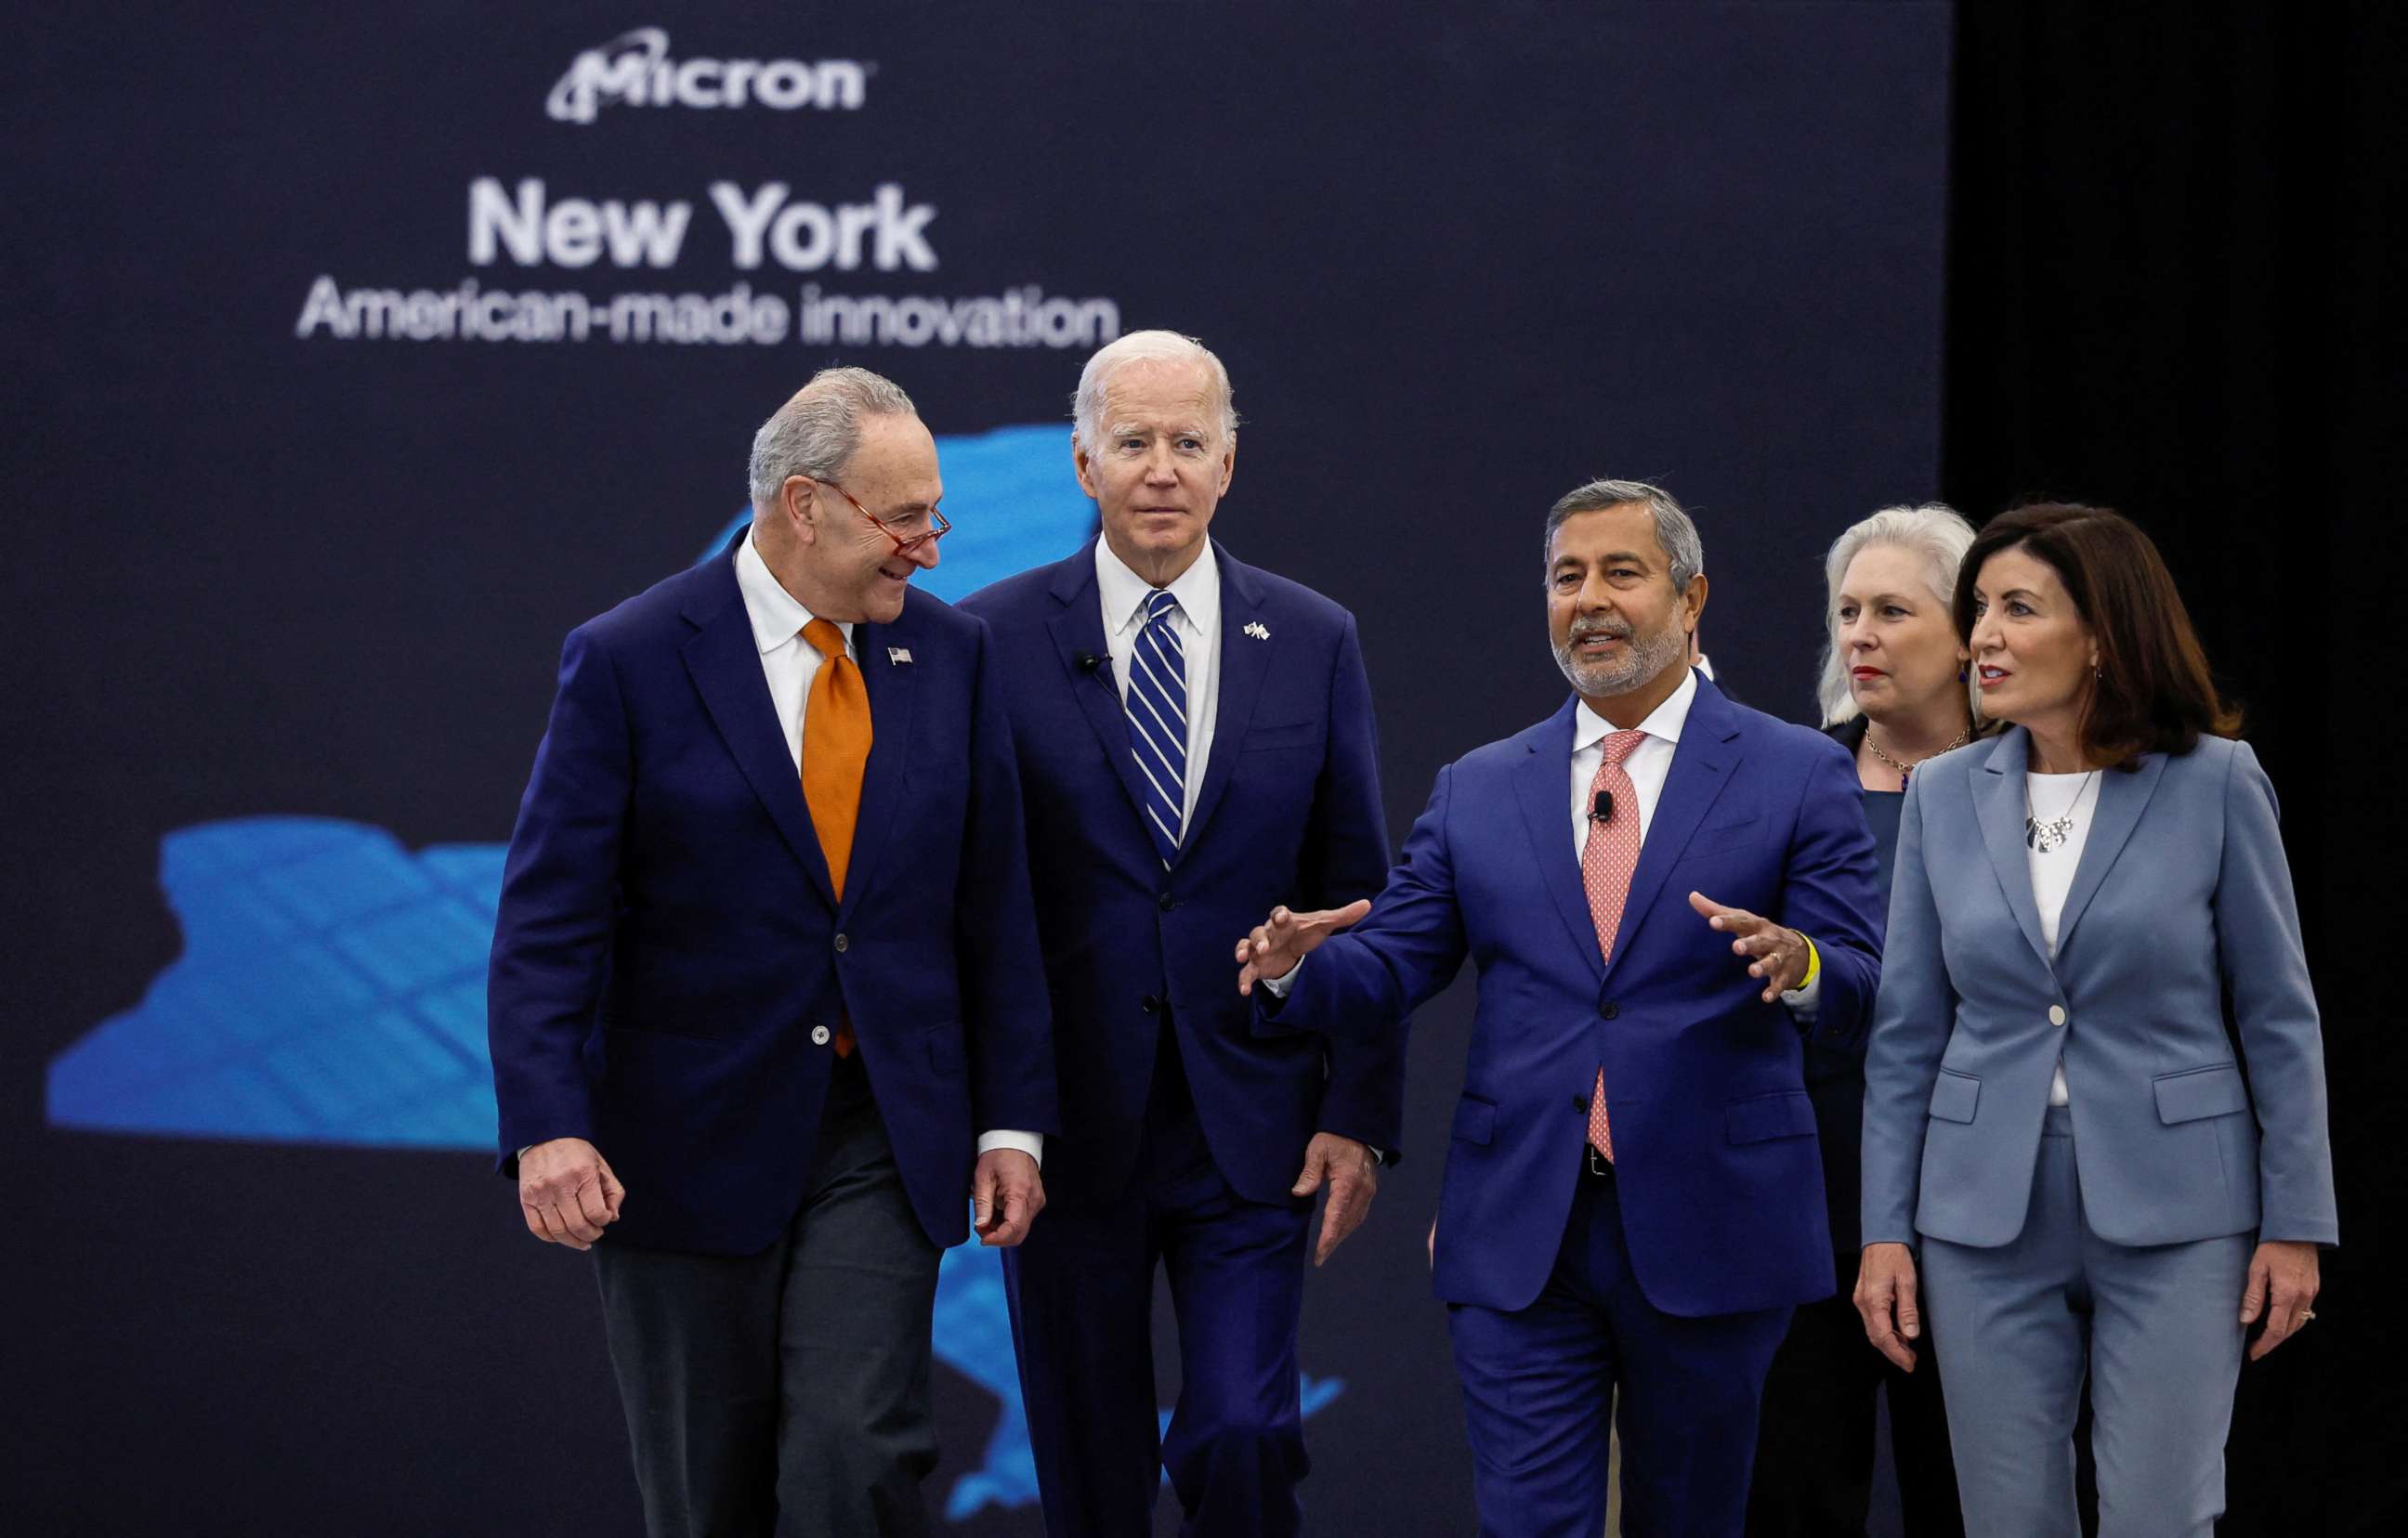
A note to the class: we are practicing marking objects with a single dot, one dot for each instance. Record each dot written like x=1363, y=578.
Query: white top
x=790, y=663
x=1123, y=594
x=2052, y=873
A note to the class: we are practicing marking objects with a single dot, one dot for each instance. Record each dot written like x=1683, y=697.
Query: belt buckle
x=1598, y=1163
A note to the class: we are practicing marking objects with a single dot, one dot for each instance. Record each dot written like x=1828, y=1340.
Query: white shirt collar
x=1665, y=721
x=777, y=616
x=1124, y=592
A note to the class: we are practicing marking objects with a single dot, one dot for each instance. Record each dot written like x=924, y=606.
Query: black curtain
x=2174, y=236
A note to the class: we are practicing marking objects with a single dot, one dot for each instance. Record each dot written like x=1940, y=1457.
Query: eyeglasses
x=904, y=543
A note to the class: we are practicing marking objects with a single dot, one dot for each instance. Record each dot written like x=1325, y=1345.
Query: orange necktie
x=835, y=750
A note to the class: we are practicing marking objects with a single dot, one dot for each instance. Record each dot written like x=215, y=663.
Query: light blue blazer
x=2182, y=900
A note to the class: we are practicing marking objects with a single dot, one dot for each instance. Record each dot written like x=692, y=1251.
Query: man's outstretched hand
x=566, y=1193
x=1286, y=938
x=1773, y=953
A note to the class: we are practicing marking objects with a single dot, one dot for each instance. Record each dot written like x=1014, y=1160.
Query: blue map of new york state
x=332, y=987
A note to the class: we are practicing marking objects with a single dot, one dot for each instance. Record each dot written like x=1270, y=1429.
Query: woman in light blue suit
x=2066, y=1170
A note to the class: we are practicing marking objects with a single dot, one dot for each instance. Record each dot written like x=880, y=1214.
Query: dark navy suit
x=1671, y=1280
x=670, y=971
x=1184, y=1131
x=668, y=939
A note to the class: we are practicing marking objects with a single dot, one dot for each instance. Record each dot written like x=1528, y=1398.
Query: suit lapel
x=1702, y=761
x=1244, y=662
x=884, y=781
x=2122, y=798
x=1998, y=794
x=724, y=662
x=1542, y=784
x=1077, y=631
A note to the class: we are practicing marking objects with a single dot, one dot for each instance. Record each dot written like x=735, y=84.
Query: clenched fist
x=566, y=1193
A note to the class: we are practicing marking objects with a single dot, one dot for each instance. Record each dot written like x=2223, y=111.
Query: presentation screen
x=357, y=354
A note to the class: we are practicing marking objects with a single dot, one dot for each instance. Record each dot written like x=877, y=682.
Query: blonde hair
x=1934, y=531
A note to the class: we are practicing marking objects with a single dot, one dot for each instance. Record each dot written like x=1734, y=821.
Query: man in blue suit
x=1633, y=1197
x=764, y=940
x=1195, y=744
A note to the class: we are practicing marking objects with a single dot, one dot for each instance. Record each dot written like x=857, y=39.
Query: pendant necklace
x=1904, y=770
x=2048, y=835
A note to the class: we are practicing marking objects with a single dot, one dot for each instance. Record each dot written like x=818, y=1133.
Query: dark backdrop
x=2174, y=247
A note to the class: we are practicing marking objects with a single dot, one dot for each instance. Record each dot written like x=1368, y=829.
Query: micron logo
x=635, y=69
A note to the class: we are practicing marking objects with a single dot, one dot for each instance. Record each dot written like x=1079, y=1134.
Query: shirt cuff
x=1285, y=980
x=1807, y=996
x=1031, y=1143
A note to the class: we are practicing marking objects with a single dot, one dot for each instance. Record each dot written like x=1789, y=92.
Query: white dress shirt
x=790, y=663
x=787, y=660
x=1647, y=766
x=2052, y=873
x=1123, y=594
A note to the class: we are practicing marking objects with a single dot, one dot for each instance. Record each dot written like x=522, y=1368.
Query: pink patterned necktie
x=1607, y=861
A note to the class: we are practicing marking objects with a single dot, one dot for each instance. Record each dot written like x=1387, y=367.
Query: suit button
x=841, y=941
x=1580, y=1103
x=819, y=1035
x=1149, y=1004
x=2057, y=1014
x=1167, y=903
x=1609, y=1009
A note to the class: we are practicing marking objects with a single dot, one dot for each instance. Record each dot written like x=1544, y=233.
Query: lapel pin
x=1257, y=629
x=897, y=656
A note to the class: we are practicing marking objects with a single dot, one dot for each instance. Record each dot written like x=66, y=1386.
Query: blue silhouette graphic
x=332, y=988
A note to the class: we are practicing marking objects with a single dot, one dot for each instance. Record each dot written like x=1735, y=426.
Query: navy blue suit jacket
x=668, y=938
x=1720, y=1185
x=1288, y=812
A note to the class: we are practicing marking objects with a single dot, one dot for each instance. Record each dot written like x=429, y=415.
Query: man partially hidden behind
x=1633, y=1201
x=1195, y=746
x=764, y=972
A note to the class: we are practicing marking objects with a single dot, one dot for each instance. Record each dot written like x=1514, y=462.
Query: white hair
x=1684, y=553
x=1935, y=532
x=1146, y=347
x=815, y=433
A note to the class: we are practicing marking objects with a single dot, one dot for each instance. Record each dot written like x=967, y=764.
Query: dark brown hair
x=2152, y=694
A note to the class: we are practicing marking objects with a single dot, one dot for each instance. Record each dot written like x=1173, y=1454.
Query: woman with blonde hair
x=1894, y=691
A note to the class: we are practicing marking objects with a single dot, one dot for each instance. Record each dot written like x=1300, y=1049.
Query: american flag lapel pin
x=897, y=656
x=1259, y=631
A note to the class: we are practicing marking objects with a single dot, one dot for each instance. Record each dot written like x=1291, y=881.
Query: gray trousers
x=2156, y=1330
x=786, y=1393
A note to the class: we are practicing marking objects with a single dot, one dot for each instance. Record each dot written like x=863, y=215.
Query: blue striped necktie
x=1156, y=704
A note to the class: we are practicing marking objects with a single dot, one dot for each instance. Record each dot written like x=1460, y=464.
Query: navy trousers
x=1082, y=1295
x=1536, y=1382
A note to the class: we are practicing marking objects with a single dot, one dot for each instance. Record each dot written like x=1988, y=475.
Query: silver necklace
x=2048, y=835
x=1904, y=770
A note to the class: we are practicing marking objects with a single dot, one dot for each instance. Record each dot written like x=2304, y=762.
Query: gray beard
x=1639, y=665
